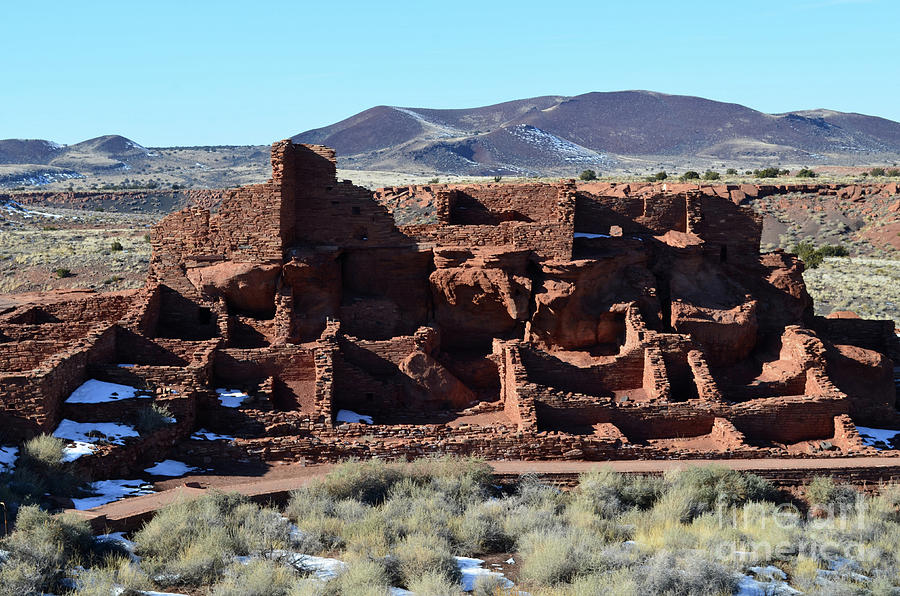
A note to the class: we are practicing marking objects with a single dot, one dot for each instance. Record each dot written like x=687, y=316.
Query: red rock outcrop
x=531, y=321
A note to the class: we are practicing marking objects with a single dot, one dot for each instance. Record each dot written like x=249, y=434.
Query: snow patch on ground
x=471, y=570
x=880, y=438
x=93, y=432
x=108, y=491
x=565, y=150
x=8, y=457
x=76, y=449
x=205, y=435
x=93, y=391
x=170, y=467
x=353, y=417
x=232, y=398
x=765, y=581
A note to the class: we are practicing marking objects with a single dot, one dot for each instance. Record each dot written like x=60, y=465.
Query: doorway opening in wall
x=723, y=254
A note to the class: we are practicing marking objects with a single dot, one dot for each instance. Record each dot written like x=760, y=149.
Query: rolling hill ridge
x=557, y=134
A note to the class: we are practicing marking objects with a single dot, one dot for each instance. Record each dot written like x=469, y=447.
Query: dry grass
x=869, y=287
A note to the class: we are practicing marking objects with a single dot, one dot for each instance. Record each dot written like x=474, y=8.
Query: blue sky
x=194, y=72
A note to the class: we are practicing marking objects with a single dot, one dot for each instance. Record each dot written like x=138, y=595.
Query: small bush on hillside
x=731, y=172
x=152, y=418
x=657, y=177
x=711, y=175
x=116, y=246
x=812, y=257
x=893, y=172
x=62, y=272
x=767, y=173
x=877, y=172
x=806, y=173
x=690, y=175
x=587, y=175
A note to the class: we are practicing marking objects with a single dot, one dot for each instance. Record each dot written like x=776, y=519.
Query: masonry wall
x=550, y=241
x=490, y=204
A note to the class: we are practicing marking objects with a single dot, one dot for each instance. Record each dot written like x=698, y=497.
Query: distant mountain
x=94, y=155
x=561, y=134
x=113, y=161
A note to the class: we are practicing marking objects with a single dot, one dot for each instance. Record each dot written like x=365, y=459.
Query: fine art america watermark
x=767, y=531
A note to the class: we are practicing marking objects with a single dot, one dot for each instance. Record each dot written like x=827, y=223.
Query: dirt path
x=279, y=480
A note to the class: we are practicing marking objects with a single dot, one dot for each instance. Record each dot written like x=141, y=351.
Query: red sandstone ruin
x=532, y=321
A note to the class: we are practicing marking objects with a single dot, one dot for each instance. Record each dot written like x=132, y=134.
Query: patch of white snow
x=353, y=417
x=93, y=391
x=232, y=398
x=170, y=467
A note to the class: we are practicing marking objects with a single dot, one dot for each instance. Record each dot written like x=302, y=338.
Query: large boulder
x=247, y=287
x=432, y=382
x=478, y=296
x=581, y=304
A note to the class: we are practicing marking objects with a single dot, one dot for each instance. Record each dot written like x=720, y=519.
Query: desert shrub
x=437, y=584
x=587, y=175
x=39, y=470
x=116, y=246
x=363, y=577
x=711, y=175
x=806, y=173
x=192, y=542
x=480, y=529
x=877, y=172
x=418, y=554
x=696, y=490
x=893, y=172
x=690, y=175
x=731, y=172
x=366, y=481
x=460, y=480
x=534, y=507
x=692, y=575
x=830, y=250
x=812, y=257
x=258, y=577
x=62, y=272
x=434, y=181
x=116, y=576
x=41, y=548
x=610, y=493
x=767, y=172
x=550, y=558
x=657, y=177
x=152, y=418
x=823, y=491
